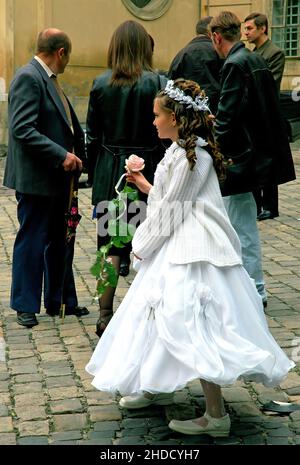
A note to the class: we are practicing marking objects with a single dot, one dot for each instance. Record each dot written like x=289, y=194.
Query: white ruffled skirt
x=178, y=323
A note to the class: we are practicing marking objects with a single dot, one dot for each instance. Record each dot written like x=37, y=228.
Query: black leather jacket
x=249, y=126
x=119, y=123
x=199, y=62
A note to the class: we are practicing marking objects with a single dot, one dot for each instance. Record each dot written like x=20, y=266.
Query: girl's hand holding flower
x=134, y=165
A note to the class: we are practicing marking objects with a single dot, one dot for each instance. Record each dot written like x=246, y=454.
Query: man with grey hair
x=251, y=134
x=199, y=62
x=45, y=149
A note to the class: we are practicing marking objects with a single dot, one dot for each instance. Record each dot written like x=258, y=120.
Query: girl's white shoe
x=146, y=399
x=216, y=427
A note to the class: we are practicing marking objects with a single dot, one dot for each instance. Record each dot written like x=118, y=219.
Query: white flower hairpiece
x=199, y=104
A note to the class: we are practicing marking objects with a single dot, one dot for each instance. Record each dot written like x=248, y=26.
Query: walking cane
x=72, y=219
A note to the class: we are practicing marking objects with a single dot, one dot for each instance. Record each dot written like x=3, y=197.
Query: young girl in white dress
x=192, y=310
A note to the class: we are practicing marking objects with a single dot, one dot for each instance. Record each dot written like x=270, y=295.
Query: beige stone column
x=44, y=14
x=6, y=45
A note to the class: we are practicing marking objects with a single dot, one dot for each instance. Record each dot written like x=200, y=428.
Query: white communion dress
x=192, y=310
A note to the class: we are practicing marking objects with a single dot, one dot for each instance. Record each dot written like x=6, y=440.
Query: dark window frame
x=286, y=26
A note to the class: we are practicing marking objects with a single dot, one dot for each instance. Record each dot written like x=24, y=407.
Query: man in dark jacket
x=46, y=145
x=251, y=134
x=199, y=62
x=256, y=32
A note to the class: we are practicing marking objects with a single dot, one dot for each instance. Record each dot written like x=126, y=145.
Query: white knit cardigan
x=186, y=207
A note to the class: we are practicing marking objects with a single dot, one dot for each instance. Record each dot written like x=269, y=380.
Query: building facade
x=90, y=24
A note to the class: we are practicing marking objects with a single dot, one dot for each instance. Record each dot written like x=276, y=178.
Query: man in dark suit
x=199, y=62
x=45, y=150
x=256, y=32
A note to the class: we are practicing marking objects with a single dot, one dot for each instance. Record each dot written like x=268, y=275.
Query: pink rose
x=134, y=163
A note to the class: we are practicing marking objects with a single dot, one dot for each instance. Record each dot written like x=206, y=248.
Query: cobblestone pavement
x=46, y=396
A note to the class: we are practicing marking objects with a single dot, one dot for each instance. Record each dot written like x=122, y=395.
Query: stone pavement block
x=132, y=423
x=106, y=426
x=267, y=396
x=293, y=391
x=8, y=439
x=230, y=441
x=24, y=388
x=44, y=334
x=60, y=381
x=282, y=431
x=21, y=369
x=95, y=442
x=295, y=416
x=50, y=340
x=19, y=354
x=27, y=378
x=130, y=441
x=245, y=409
x=158, y=434
x=292, y=380
x=100, y=435
x=33, y=441
x=68, y=392
x=49, y=348
x=278, y=441
x=234, y=394
x=4, y=386
x=34, y=398
x=33, y=428
x=53, y=356
x=67, y=436
x=258, y=439
x=69, y=422
x=4, y=411
x=30, y=412
x=99, y=398
x=6, y=424
x=66, y=406
x=180, y=412
x=4, y=398
x=105, y=413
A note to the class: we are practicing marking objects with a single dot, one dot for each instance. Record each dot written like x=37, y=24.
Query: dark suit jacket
x=39, y=134
x=275, y=59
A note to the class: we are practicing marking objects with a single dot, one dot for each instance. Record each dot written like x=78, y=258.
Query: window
x=286, y=26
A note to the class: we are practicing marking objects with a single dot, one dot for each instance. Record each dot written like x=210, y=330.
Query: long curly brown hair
x=193, y=124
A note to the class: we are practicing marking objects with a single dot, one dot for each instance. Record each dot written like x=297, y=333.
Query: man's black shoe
x=266, y=215
x=52, y=311
x=27, y=319
x=77, y=311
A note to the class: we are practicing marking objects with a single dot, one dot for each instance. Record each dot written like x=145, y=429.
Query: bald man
x=45, y=149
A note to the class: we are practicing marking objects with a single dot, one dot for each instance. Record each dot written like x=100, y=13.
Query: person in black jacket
x=252, y=136
x=199, y=62
x=45, y=148
x=256, y=32
x=120, y=123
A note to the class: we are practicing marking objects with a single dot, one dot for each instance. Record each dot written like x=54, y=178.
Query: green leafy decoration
x=120, y=234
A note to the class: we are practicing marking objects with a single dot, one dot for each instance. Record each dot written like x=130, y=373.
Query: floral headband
x=199, y=104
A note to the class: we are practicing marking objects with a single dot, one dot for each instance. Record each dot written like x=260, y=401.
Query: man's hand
x=72, y=163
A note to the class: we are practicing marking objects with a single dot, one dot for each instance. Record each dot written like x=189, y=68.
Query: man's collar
x=44, y=66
